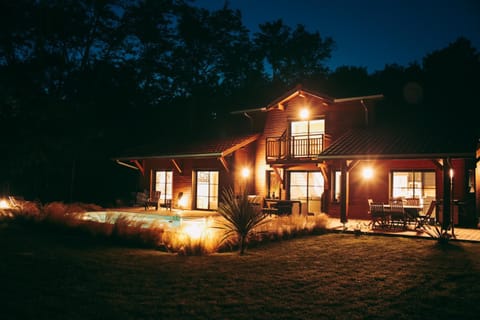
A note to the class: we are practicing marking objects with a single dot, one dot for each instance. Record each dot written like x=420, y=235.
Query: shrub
x=241, y=217
x=437, y=233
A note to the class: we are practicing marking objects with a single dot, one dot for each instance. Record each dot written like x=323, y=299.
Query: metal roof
x=219, y=147
x=399, y=143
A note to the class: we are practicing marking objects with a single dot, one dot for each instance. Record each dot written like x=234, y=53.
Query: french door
x=207, y=190
x=308, y=187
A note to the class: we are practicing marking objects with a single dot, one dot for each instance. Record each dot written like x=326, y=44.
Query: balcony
x=294, y=148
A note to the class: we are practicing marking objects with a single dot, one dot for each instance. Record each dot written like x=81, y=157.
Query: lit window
x=413, y=184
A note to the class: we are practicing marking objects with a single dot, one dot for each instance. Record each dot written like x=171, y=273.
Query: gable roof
x=299, y=90
x=213, y=148
x=399, y=143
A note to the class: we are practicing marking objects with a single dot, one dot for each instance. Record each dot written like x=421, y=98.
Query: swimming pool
x=146, y=220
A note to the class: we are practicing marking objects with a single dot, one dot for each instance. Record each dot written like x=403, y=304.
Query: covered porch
x=451, y=159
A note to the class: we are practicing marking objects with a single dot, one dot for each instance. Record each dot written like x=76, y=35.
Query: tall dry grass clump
x=69, y=215
x=284, y=227
x=133, y=231
x=183, y=241
x=241, y=223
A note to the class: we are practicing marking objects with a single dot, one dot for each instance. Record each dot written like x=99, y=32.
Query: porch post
x=447, y=188
x=344, y=193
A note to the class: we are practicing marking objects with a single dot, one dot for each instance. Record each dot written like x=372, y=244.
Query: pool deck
x=334, y=224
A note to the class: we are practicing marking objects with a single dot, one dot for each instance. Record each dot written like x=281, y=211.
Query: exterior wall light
x=304, y=113
x=245, y=172
x=367, y=172
x=182, y=201
x=4, y=204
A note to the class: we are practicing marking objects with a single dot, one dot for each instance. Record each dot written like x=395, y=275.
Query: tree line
x=81, y=80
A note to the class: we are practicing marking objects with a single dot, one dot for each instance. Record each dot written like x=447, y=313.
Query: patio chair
x=378, y=215
x=398, y=217
x=412, y=209
x=153, y=200
x=425, y=218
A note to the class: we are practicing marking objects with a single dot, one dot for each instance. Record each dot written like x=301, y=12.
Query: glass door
x=207, y=190
x=308, y=187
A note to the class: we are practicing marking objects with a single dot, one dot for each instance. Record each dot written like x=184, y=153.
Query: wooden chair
x=398, y=216
x=153, y=200
x=425, y=218
x=378, y=215
x=412, y=214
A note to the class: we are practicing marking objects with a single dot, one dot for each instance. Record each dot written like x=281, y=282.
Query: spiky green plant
x=241, y=217
x=436, y=232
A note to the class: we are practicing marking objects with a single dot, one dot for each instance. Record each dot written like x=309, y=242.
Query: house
x=326, y=154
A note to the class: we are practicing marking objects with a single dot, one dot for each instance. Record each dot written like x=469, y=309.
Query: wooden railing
x=296, y=147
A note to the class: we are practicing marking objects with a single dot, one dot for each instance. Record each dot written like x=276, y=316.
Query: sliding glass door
x=308, y=187
x=207, y=190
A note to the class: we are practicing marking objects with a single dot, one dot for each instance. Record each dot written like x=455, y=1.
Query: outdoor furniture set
x=398, y=214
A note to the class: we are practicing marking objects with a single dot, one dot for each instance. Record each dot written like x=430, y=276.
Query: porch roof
x=399, y=143
x=212, y=148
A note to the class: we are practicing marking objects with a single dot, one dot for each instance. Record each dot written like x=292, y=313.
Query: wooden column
x=447, y=188
x=344, y=193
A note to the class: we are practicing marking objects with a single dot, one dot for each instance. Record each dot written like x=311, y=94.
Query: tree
x=452, y=81
x=292, y=55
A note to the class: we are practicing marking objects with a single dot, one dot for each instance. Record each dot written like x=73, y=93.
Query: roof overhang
x=298, y=92
x=370, y=97
x=406, y=156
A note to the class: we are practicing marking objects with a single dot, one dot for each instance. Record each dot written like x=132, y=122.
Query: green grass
x=56, y=274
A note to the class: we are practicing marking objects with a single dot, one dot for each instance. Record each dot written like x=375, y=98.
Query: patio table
x=412, y=211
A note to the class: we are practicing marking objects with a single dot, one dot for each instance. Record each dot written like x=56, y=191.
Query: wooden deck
x=461, y=234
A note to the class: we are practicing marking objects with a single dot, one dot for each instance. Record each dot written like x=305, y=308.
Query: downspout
x=366, y=112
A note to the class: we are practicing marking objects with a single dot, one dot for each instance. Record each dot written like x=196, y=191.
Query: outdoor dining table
x=412, y=211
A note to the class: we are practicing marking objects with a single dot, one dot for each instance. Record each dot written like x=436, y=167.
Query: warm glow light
x=4, y=204
x=367, y=173
x=194, y=230
x=182, y=202
x=245, y=172
x=304, y=113
x=451, y=173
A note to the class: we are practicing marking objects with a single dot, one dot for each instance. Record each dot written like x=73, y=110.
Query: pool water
x=171, y=221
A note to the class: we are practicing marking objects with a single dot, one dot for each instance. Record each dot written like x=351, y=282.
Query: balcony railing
x=294, y=147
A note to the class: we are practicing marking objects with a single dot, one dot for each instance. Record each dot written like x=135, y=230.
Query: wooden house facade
x=327, y=155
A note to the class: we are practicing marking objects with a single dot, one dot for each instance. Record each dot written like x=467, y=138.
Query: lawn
x=47, y=273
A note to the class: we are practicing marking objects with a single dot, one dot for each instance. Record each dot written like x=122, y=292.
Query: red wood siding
x=378, y=188
x=183, y=182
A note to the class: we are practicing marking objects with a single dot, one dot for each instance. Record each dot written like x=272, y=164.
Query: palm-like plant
x=241, y=216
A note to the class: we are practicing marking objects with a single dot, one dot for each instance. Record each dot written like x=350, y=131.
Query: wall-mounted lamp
x=304, y=113
x=367, y=173
x=245, y=172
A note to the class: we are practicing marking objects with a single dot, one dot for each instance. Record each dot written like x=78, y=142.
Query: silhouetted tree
x=292, y=55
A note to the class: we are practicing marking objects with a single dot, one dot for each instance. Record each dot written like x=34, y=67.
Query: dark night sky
x=370, y=33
